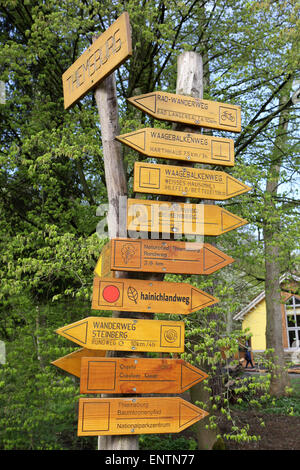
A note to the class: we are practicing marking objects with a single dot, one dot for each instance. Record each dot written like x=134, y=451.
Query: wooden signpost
x=137, y=375
x=113, y=416
x=188, y=110
x=71, y=363
x=136, y=295
x=102, y=268
x=126, y=334
x=166, y=217
x=166, y=143
x=164, y=256
x=107, y=53
x=188, y=182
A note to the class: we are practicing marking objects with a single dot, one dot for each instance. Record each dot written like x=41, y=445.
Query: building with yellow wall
x=254, y=318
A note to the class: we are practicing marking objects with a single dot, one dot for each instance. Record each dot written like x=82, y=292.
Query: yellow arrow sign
x=185, y=109
x=112, y=416
x=137, y=375
x=165, y=256
x=72, y=362
x=126, y=334
x=107, y=53
x=165, y=143
x=144, y=215
x=135, y=295
x=186, y=182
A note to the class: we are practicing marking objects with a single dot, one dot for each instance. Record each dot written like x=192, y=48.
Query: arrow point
x=230, y=221
x=190, y=376
x=235, y=187
x=134, y=139
x=76, y=332
x=201, y=299
x=145, y=102
x=189, y=414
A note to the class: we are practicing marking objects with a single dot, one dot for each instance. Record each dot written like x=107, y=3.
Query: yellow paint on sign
x=113, y=416
x=165, y=143
x=144, y=215
x=186, y=182
x=126, y=334
x=185, y=109
x=136, y=295
x=107, y=53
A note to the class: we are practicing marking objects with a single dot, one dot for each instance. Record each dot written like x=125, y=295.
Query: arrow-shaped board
x=144, y=215
x=164, y=256
x=136, y=295
x=72, y=362
x=126, y=334
x=112, y=416
x=186, y=182
x=185, y=109
x=165, y=143
x=106, y=53
x=137, y=375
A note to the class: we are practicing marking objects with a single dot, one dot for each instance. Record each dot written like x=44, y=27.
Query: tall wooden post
x=116, y=183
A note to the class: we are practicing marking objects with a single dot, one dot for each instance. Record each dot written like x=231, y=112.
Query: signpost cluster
x=98, y=373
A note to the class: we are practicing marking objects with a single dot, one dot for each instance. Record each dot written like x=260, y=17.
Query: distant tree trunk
x=271, y=230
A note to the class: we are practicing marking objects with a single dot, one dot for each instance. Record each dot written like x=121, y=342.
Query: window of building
x=292, y=314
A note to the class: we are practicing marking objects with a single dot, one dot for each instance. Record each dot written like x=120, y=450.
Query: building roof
x=240, y=315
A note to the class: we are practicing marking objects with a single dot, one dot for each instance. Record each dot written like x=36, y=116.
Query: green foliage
x=166, y=442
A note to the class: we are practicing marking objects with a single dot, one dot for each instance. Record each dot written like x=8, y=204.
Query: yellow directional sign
x=126, y=334
x=107, y=53
x=164, y=256
x=137, y=375
x=185, y=109
x=136, y=295
x=186, y=182
x=112, y=416
x=72, y=362
x=144, y=215
x=102, y=268
x=165, y=143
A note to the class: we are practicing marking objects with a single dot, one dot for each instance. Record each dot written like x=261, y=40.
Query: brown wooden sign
x=166, y=217
x=126, y=334
x=187, y=182
x=113, y=416
x=165, y=143
x=165, y=256
x=72, y=362
x=137, y=375
x=107, y=53
x=185, y=109
x=136, y=295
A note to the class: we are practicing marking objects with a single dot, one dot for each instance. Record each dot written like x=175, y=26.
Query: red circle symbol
x=111, y=294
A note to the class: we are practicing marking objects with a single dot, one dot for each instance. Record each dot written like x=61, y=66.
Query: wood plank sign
x=126, y=334
x=165, y=256
x=185, y=109
x=165, y=143
x=137, y=375
x=71, y=363
x=144, y=215
x=113, y=416
x=107, y=53
x=189, y=182
x=136, y=295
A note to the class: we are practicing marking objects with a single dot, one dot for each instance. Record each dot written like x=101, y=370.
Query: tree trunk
x=271, y=229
